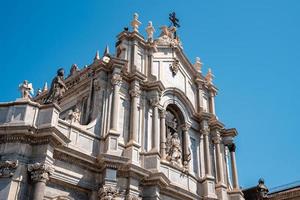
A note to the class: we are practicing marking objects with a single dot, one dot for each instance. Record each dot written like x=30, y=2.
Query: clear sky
x=253, y=48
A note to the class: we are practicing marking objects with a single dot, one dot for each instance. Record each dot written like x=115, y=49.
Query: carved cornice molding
x=8, y=168
x=40, y=172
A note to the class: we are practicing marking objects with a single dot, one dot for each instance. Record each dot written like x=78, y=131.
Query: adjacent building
x=137, y=124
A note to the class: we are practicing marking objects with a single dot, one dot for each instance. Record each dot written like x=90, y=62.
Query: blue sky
x=253, y=48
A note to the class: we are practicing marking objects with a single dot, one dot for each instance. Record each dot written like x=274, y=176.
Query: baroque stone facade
x=140, y=124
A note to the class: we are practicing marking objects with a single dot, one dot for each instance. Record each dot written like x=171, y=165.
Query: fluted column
x=116, y=82
x=205, y=133
x=235, y=181
x=134, y=93
x=187, y=152
x=39, y=173
x=220, y=168
x=163, y=136
x=155, y=143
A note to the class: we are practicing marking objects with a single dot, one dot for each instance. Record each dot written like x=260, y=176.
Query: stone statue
x=58, y=88
x=173, y=145
x=26, y=90
x=150, y=30
x=74, y=116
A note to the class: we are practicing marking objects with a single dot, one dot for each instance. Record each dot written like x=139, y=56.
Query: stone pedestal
x=236, y=195
x=209, y=188
x=152, y=161
x=132, y=152
x=111, y=142
x=221, y=191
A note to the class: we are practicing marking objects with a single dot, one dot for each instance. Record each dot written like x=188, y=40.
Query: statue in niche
x=58, y=88
x=26, y=90
x=173, y=143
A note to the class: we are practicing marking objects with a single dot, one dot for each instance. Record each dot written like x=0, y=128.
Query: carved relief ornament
x=7, y=168
x=108, y=192
x=174, y=67
x=40, y=171
x=116, y=79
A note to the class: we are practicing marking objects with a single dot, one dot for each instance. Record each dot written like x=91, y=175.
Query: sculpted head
x=60, y=72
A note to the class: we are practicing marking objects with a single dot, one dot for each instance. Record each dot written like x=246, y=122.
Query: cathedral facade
x=136, y=124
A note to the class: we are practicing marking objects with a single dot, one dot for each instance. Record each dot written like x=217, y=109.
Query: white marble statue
x=26, y=90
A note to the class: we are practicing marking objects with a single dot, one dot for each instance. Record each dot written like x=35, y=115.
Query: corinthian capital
x=186, y=127
x=205, y=130
x=216, y=139
x=7, y=168
x=135, y=92
x=40, y=171
x=154, y=101
x=116, y=79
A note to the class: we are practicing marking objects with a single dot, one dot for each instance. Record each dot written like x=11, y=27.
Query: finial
x=97, y=57
x=45, y=88
x=135, y=23
x=106, y=56
x=198, y=64
x=106, y=51
x=150, y=30
x=209, y=76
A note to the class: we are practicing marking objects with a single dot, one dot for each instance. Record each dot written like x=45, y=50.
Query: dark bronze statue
x=58, y=88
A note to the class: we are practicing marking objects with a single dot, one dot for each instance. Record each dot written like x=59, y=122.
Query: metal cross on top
x=174, y=20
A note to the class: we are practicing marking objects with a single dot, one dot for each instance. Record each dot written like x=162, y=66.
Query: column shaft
x=116, y=80
x=38, y=190
x=207, y=153
x=134, y=114
x=155, y=143
x=220, y=172
x=163, y=134
x=233, y=167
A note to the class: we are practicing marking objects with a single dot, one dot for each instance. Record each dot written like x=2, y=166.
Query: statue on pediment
x=58, y=88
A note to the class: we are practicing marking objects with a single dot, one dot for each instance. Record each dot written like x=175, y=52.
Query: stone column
x=116, y=82
x=235, y=181
x=155, y=143
x=111, y=139
x=212, y=102
x=209, y=181
x=207, y=159
x=39, y=173
x=163, y=136
x=134, y=93
x=187, y=152
x=200, y=96
x=220, y=168
x=132, y=148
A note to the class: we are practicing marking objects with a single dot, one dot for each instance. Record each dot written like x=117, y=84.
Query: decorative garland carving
x=8, y=168
x=40, y=171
